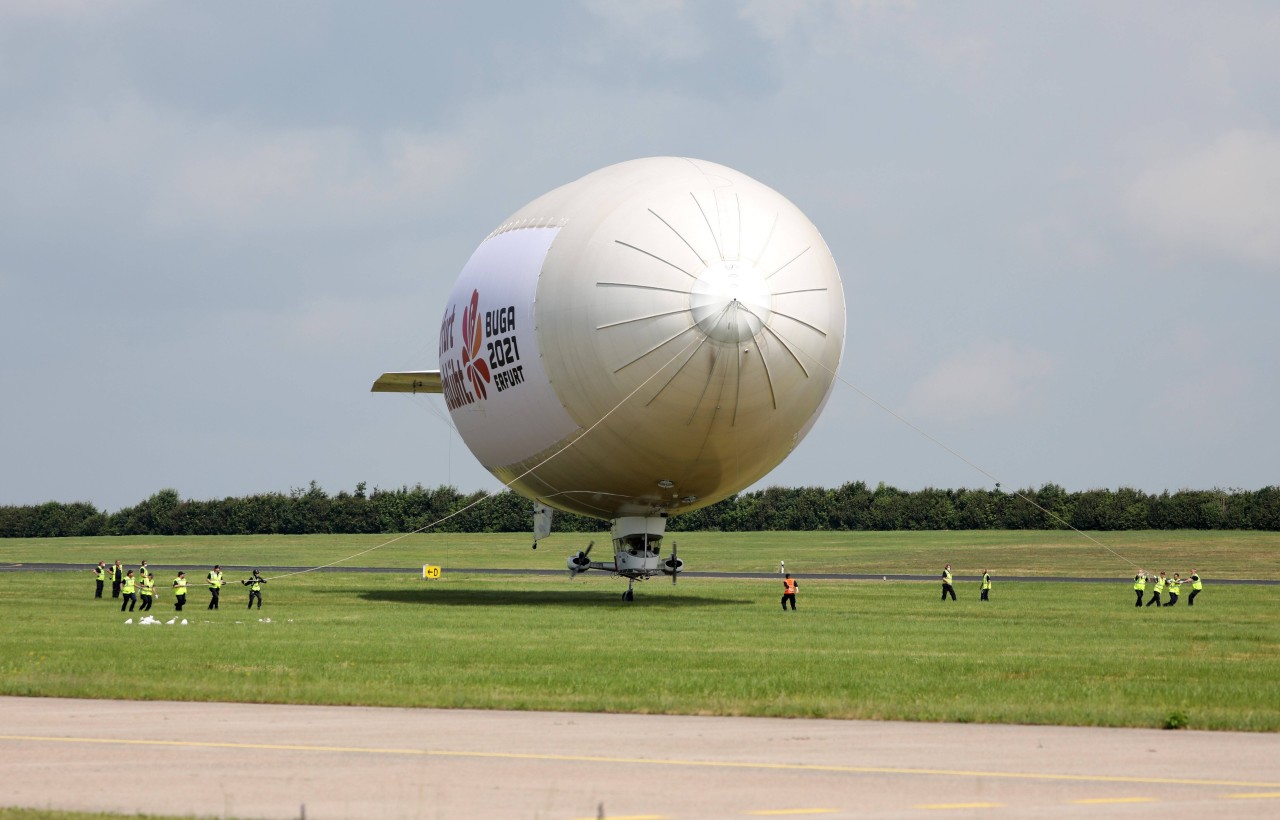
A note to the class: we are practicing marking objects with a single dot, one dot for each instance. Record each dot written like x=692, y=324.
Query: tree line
x=854, y=506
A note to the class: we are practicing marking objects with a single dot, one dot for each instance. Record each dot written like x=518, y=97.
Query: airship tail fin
x=412, y=381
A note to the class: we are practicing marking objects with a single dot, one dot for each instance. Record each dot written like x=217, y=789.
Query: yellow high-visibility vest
x=1159, y=587
x=986, y=581
x=215, y=580
x=179, y=586
x=126, y=586
x=1140, y=583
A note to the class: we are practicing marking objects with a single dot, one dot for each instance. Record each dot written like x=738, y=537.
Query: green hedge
x=853, y=506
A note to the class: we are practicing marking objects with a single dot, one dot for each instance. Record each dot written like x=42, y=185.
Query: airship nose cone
x=730, y=301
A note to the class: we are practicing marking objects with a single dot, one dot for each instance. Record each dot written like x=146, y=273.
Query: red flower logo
x=472, y=337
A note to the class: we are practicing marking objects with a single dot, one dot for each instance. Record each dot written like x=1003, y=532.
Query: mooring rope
x=506, y=485
x=952, y=451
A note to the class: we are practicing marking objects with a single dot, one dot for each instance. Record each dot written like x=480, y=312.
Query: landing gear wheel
x=629, y=595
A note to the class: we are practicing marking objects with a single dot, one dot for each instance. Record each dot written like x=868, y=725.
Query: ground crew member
x=1196, y=586
x=1157, y=590
x=144, y=570
x=127, y=590
x=1175, y=587
x=789, y=587
x=117, y=578
x=100, y=578
x=215, y=586
x=947, y=589
x=146, y=591
x=180, y=591
x=255, y=589
x=1139, y=586
x=986, y=585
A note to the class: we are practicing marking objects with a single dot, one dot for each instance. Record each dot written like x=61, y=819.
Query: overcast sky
x=1058, y=225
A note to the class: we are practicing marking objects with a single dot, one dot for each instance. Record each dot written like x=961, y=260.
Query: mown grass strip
x=1007, y=553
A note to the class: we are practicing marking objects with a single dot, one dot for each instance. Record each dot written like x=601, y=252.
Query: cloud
x=873, y=29
x=1222, y=199
x=66, y=10
x=240, y=179
x=774, y=20
x=1206, y=395
x=985, y=381
x=157, y=168
x=1207, y=403
x=663, y=28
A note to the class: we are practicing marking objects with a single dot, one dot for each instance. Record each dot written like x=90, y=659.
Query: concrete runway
x=254, y=760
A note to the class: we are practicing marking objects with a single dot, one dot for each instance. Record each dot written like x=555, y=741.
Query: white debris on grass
x=129, y=621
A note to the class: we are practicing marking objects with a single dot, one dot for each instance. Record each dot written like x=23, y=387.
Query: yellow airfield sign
x=430, y=572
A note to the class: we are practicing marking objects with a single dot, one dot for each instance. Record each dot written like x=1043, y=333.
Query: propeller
x=582, y=561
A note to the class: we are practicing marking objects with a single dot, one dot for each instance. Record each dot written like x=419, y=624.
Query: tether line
x=952, y=451
x=506, y=485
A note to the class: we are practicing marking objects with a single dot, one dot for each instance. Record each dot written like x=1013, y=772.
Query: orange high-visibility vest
x=790, y=588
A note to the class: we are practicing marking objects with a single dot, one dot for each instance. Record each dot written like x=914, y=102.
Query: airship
x=641, y=342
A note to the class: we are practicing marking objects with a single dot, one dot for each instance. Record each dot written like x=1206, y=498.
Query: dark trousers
x=1173, y=599
x=213, y=598
x=130, y=599
x=258, y=594
x=1192, y=600
x=179, y=601
x=947, y=589
x=146, y=603
x=1138, y=592
x=1155, y=599
x=789, y=596
x=97, y=593
x=984, y=594
x=115, y=589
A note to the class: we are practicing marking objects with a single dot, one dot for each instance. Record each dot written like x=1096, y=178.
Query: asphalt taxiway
x=261, y=760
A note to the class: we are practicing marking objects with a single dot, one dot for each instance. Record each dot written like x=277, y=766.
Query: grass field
x=1029, y=552
x=1039, y=652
